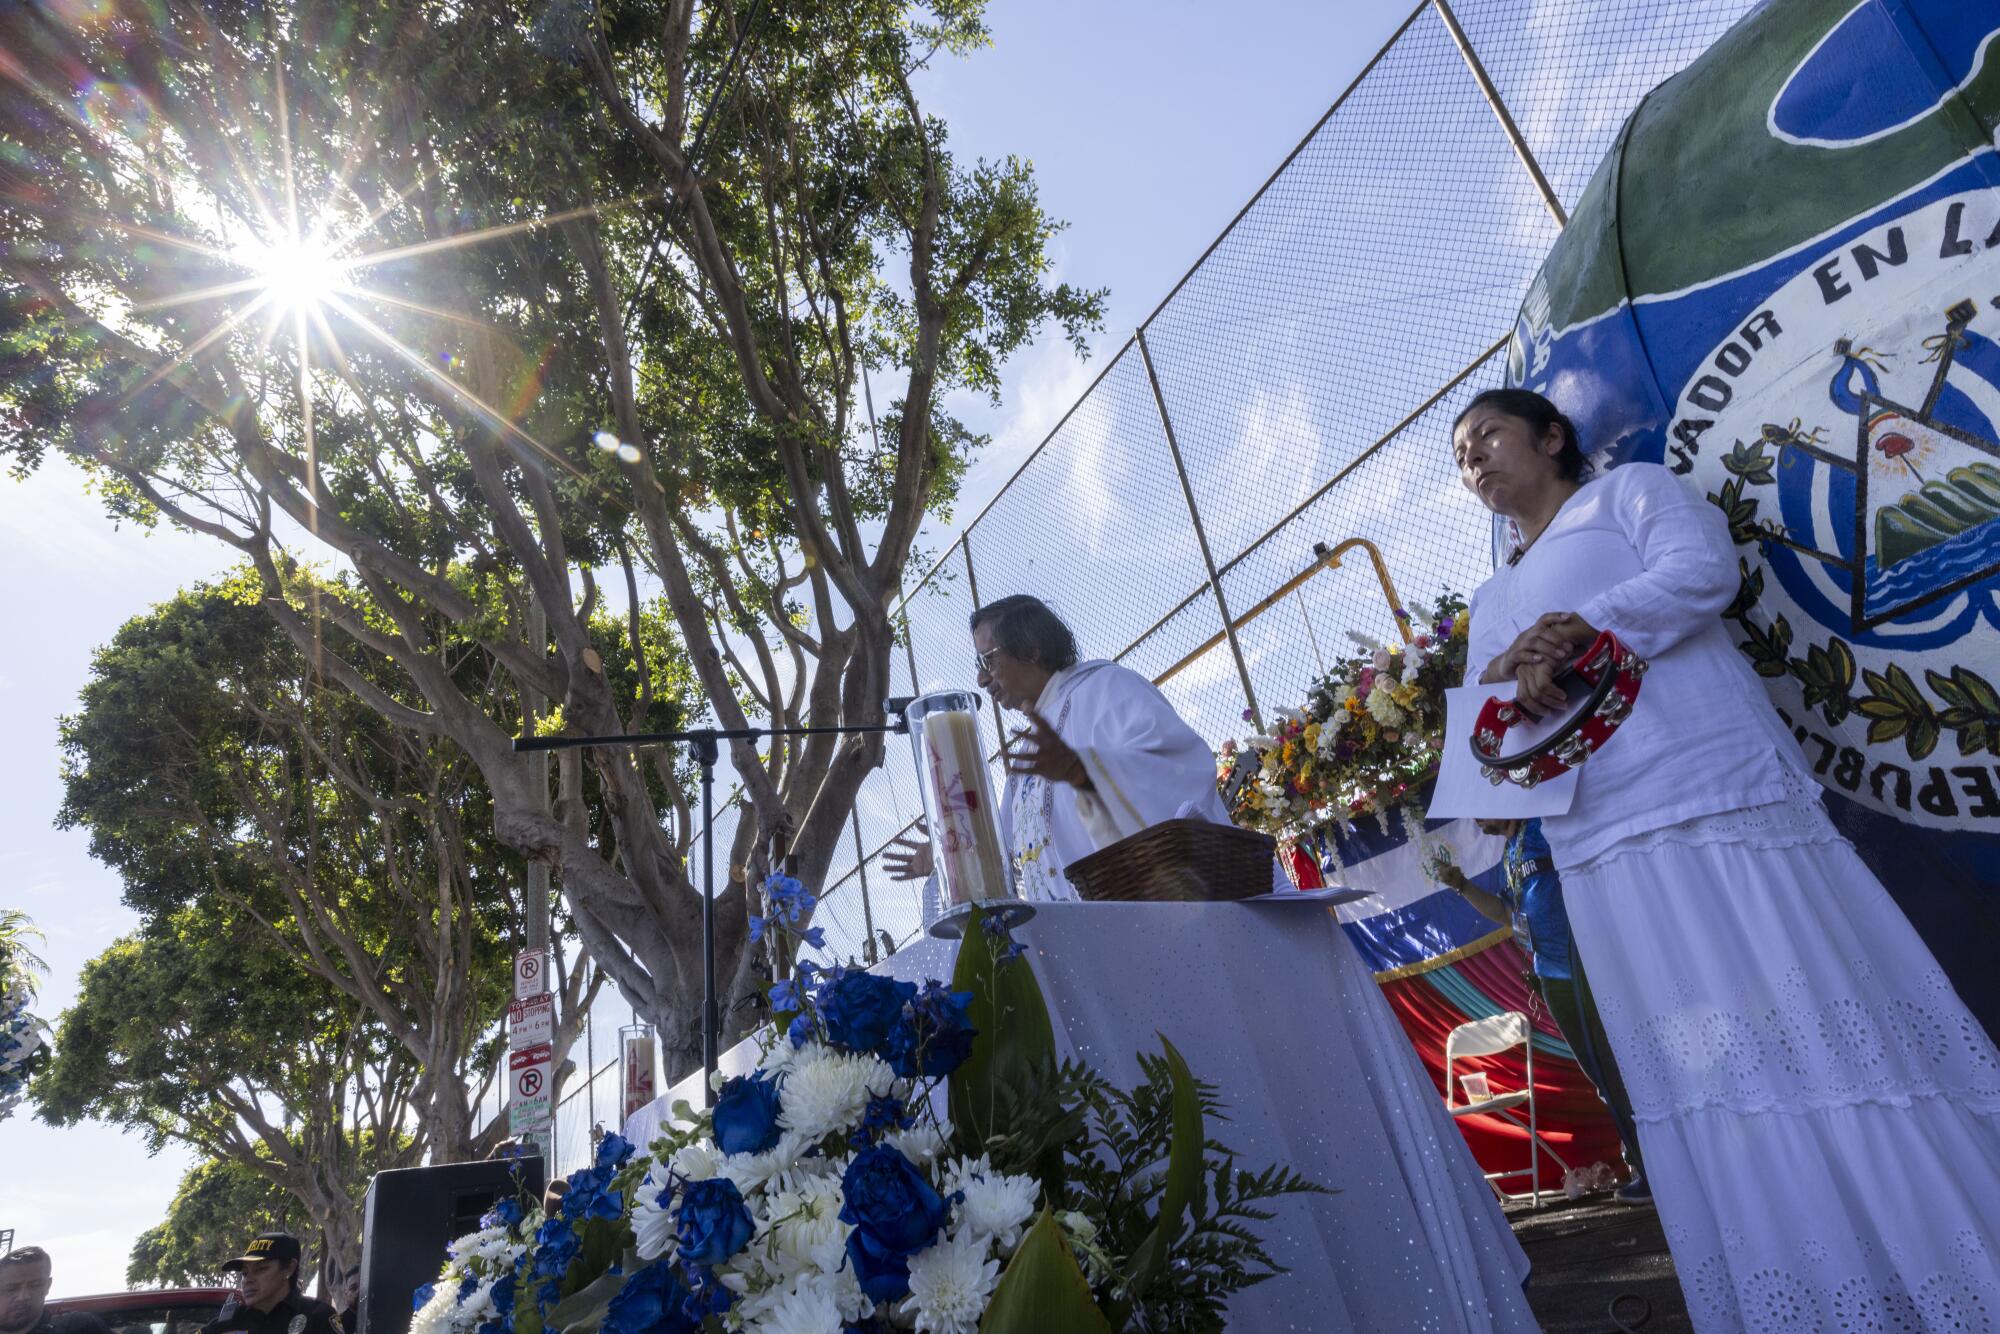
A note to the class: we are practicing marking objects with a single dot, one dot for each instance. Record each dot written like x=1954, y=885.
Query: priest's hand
x=909, y=855
x=1039, y=752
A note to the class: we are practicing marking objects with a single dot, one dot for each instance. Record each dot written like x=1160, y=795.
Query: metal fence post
x=1505, y=116
x=868, y=954
x=972, y=586
x=1200, y=534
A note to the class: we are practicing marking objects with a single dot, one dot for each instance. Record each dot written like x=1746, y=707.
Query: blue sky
x=1148, y=124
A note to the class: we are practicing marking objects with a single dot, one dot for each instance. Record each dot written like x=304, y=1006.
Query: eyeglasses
x=982, y=663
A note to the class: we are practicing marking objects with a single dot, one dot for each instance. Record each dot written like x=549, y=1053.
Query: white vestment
x=1145, y=765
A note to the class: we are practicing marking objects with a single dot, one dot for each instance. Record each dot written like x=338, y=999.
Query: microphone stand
x=704, y=744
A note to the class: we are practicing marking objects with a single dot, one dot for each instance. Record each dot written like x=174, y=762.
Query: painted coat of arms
x=1784, y=283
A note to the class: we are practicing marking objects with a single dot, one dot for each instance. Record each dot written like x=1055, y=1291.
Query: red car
x=163, y=1311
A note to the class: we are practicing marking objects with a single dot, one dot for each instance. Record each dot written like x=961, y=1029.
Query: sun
x=297, y=274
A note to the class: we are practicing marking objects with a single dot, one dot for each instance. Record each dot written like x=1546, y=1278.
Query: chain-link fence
x=1295, y=387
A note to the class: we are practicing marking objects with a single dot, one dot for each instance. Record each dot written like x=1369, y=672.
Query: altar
x=1270, y=1002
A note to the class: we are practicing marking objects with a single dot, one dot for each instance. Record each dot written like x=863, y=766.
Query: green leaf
x=1184, y=1175
x=1016, y=1042
x=1828, y=677
x=1750, y=463
x=583, y=1310
x=1043, y=1288
x=1749, y=588
x=1972, y=709
x=1741, y=513
x=1897, y=708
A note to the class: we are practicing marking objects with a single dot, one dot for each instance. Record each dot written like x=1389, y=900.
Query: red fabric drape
x=1572, y=1119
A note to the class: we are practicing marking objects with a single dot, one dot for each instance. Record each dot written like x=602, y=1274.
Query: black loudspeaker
x=413, y=1213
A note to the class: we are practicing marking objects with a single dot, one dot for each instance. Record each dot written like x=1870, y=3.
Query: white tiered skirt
x=1819, y=1112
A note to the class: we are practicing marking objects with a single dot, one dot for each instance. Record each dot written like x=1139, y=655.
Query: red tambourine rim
x=1613, y=672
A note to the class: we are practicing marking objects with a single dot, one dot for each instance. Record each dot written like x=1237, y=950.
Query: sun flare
x=298, y=275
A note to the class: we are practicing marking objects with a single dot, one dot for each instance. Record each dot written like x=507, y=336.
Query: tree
x=22, y=1033
x=611, y=285
x=209, y=767
x=220, y=1204
x=201, y=1034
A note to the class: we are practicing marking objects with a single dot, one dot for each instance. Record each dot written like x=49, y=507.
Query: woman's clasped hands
x=1537, y=656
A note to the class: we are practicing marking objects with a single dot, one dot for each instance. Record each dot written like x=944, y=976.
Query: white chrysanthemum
x=697, y=1161
x=491, y=1245
x=652, y=1214
x=995, y=1206
x=780, y=1055
x=434, y=1316
x=827, y=1091
x=751, y=1170
x=1383, y=708
x=477, y=1308
x=808, y=1308
x=949, y=1285
x=921, y=1143
x=806, y=1231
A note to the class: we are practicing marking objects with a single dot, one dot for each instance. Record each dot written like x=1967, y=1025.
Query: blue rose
x=651, y=1302
x=859, y=1008
x=883, y=1115
x=613, y=1150
x=585, y=1196
x=503, y=1294
x=556, y=1244
x=712, y=1223
x=934, y=1036
x=504, y=1214
x=746, y=1115
x=422, y=1296
x=894, y=1214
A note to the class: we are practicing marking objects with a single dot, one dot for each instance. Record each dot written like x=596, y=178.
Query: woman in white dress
x=1820, y=1113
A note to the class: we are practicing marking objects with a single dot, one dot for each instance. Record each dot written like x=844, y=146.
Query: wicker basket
x=1178, y=861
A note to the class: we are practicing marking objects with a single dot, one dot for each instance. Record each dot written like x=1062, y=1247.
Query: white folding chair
x=1489, y=1037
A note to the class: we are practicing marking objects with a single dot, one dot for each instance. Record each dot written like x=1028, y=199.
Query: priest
x=1102, y=756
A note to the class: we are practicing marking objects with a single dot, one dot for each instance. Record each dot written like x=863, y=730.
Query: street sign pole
x=531, y=1027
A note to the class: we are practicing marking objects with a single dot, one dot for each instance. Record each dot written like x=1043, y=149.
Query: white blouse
x=1638, y=553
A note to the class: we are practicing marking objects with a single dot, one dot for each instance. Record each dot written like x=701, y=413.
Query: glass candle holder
x=958, y=797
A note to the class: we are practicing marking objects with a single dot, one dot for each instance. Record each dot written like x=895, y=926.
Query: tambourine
x=1600, y=684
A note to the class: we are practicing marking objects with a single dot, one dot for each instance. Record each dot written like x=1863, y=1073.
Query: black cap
x=279, y=1246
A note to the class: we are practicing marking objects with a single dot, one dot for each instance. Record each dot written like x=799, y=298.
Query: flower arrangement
x=1370, y=733
x=904, y=1157
x=23, y=1035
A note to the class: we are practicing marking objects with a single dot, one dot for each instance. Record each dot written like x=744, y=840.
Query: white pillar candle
x=965, y=838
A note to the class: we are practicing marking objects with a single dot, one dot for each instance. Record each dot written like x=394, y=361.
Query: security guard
x=268, y=1299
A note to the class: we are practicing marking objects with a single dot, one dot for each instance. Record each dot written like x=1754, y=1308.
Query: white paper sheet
x=1463, y=792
